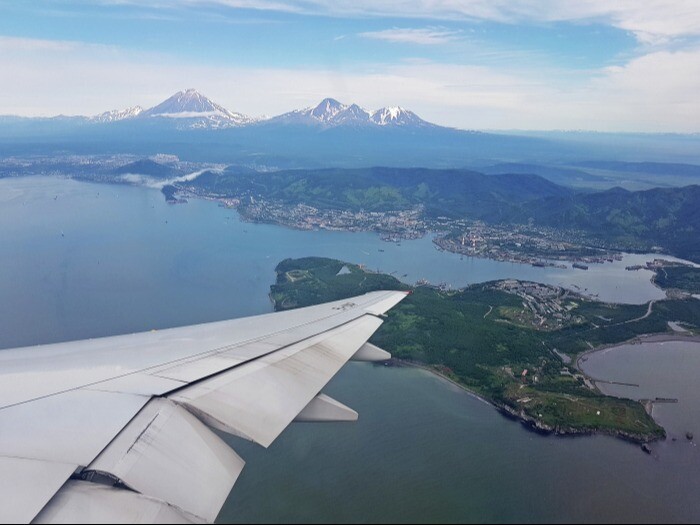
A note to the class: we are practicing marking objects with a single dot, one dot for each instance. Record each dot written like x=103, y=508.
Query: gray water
x=665, y=370
x=426, y=451
x=83, y=260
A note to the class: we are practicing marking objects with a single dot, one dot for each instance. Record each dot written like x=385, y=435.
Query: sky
x=604, y=65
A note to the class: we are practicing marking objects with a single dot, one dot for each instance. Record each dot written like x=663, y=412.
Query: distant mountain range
x=190, y=109
x=331, y=113
x=117, y=114
x=330, y=134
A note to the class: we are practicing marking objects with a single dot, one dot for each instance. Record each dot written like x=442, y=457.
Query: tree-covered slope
x=666, y=217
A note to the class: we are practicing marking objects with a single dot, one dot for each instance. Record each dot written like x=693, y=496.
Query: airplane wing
x=118, y=429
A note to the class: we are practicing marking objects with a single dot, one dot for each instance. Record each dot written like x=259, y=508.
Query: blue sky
x=485, y=64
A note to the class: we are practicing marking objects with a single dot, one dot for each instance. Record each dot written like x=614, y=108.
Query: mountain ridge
x=190, y=109
x=332, y=113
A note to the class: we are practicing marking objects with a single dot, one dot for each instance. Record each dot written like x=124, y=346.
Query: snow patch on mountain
x=326, y=111
x=397, y=116
x=190, y=109
x=331, y=113
x=198, y=110
x=117, y=114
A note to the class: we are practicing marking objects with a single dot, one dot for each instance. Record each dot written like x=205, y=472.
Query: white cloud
x=422, y=36
x=655, y=92
x=648, y=19
x=14, y=44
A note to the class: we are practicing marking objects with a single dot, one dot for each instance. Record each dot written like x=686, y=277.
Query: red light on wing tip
x=409, y=292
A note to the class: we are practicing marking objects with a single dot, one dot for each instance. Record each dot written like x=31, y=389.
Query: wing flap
x=258, y=400
x=168, y=454
x=370, y=353
x=325, y=409
x=84, y=502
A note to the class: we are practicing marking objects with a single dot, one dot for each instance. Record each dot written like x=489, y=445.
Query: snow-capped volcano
x=190, y=109
x=197, y=111
x=117, y=114
x=326, y=111
x=397, y=116
x=331, y=113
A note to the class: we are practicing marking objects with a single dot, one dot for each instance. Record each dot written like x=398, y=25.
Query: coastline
x=529, y=422
x=533, y=259
x=568, y=402
x=649, y=404
x=398, y=363
x=638, y=340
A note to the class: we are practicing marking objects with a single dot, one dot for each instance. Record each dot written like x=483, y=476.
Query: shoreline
x=649, y=404
x=396, y=237
x=637, y=340
x=398, y=363
x=530, y=423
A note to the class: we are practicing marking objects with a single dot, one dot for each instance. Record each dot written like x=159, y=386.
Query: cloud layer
x=648, y=19
x=423, y=36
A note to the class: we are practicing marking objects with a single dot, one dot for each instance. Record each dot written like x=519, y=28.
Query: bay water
x=82, y=260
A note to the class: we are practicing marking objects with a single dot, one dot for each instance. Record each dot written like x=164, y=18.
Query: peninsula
x=511, y=342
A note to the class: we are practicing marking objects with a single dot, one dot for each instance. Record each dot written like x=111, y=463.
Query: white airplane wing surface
x=118, y=429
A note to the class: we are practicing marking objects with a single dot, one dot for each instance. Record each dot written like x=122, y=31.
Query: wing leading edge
x=118, y=429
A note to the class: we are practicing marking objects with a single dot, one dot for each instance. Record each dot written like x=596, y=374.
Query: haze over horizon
x=473, y=64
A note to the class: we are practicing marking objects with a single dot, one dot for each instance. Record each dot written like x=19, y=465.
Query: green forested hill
x=147, y=167
x=665, y=217
x=481, y=337
x=454, y=193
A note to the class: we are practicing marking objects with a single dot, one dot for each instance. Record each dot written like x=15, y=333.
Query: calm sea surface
x=665, y=370
x=84, y=260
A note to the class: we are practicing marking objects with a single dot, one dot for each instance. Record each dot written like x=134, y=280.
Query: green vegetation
x=597, y=332
x=452, y=193
x=147, y=167
x=616, y=218
x=665, y=217
x=314, y=280
x=488, y=349
x=681, y=277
